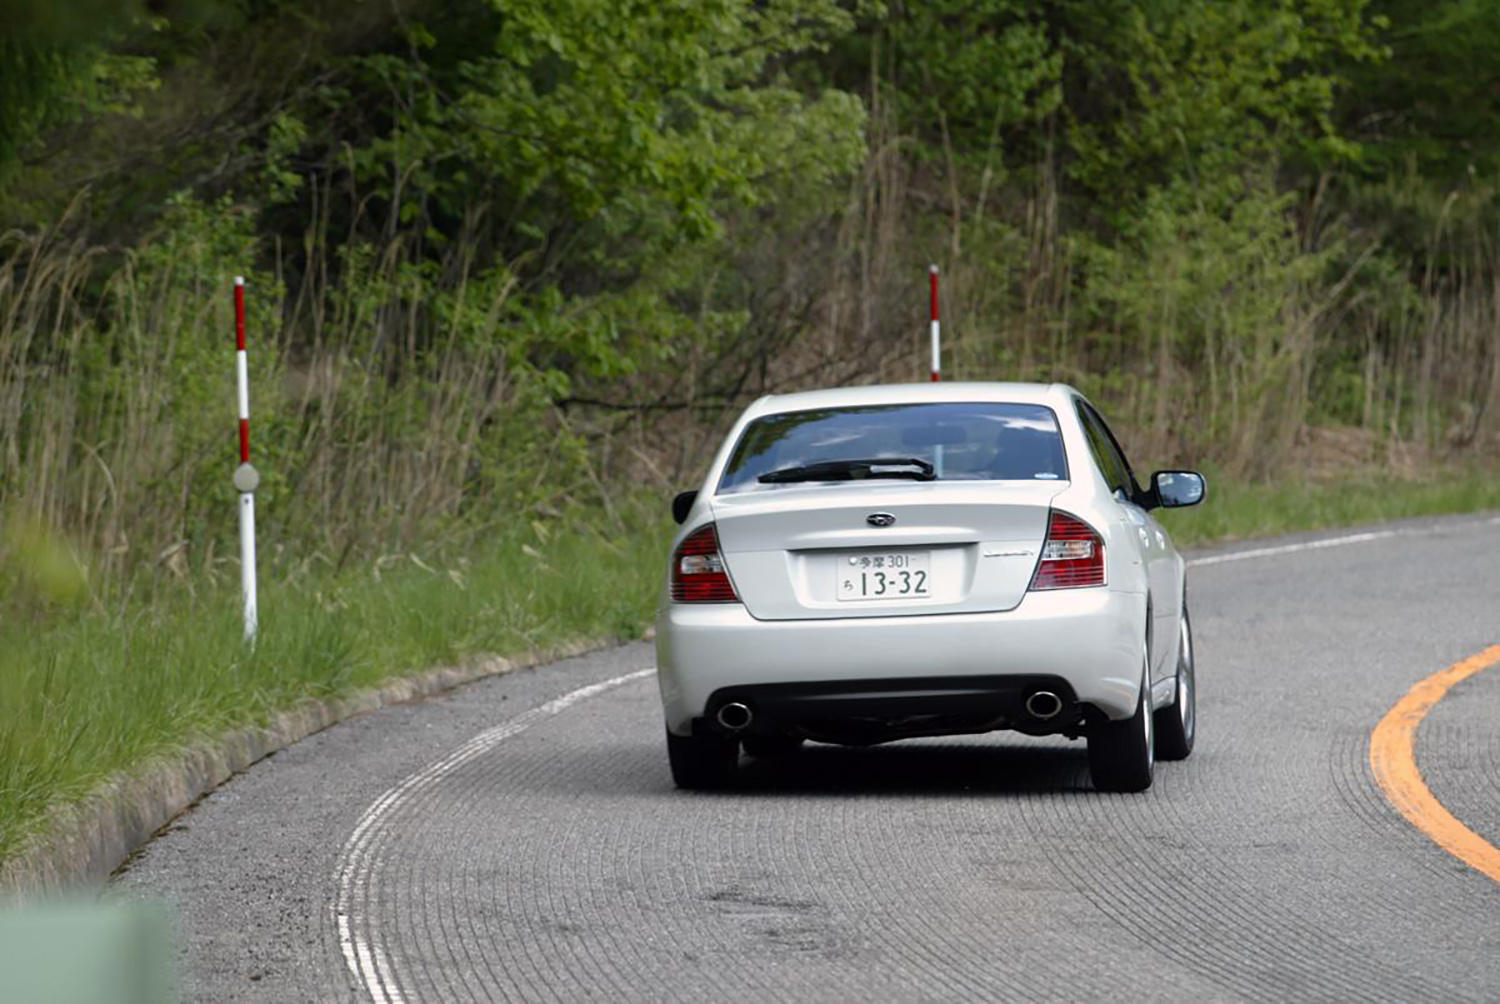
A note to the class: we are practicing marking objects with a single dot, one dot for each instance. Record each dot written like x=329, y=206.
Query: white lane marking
x=364, y=959
x=1310, y=545
x=1313, y=545
x=358, y=941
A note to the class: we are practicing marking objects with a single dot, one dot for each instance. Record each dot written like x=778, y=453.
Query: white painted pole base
x=247, y=563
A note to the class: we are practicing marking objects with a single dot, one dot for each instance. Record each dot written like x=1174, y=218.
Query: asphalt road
x=551, y=859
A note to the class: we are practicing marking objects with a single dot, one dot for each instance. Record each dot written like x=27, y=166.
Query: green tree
x=1201, y=90
x=57, y=65
x=1432, y=101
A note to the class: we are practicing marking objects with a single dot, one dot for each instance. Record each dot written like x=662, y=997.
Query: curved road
x=520, y=839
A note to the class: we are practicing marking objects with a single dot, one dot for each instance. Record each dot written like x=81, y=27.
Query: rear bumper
x=859, y=712
x=1091, y=639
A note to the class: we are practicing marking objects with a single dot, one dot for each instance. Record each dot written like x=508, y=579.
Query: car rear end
x=963, y=592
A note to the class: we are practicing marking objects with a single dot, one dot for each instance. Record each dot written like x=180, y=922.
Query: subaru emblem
x=880, y=519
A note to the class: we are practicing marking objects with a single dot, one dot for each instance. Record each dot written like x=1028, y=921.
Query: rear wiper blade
x=853, y=470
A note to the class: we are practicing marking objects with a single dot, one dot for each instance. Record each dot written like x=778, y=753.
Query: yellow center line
x=1393, y=758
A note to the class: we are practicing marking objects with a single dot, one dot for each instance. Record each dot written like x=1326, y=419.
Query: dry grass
x=405, y=403
x=387, y=415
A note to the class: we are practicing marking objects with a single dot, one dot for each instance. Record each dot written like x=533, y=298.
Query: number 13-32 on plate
x=890, y=576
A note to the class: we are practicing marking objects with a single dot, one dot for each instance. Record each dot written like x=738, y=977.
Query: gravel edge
x=83, y=844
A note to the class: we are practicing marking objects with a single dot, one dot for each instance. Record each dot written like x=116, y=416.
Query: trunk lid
x=953, y=547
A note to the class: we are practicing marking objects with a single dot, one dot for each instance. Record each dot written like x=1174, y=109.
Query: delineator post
x=246, y=478
x=937, y=352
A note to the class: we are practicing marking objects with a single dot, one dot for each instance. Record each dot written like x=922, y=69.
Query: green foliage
x=1197, y=90
x=63, y=62
x=982, y=67
x=623, y=115
x=47, y=85
x=1431, y=101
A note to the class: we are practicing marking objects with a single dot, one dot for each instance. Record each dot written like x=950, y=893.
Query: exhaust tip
x=735, y=716
x=1044, y=705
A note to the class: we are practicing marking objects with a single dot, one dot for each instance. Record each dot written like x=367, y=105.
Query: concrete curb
x=83, y=844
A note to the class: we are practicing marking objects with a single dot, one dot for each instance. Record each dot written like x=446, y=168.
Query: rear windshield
x=963, y=442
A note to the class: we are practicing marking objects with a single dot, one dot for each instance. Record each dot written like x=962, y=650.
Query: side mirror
x=1175, y=489
x=682, y=504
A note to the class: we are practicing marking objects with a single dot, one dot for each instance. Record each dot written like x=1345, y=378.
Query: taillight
x=1073, y=555
x=698, y=574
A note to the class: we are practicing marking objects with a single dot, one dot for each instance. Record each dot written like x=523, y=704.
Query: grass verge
x=89, y=695
x=85, y=697
x=1240, y=511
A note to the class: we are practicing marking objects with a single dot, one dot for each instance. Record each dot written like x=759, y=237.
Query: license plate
x=888, y=575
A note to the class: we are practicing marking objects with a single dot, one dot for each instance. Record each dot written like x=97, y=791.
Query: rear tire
x=771, y=746
x=1122, y=754
x=1177, y=723
x=703, y=762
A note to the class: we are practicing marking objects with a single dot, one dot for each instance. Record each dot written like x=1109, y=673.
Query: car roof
x=1051, y=395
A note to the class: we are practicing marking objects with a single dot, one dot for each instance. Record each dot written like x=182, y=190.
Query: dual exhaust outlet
x=735, y=717
x=1042, y=705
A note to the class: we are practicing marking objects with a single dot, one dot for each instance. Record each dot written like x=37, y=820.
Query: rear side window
x=1107, y=455
x=963, y=442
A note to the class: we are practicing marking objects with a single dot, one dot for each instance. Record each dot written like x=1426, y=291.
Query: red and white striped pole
x=246, y=478
x=937, y=352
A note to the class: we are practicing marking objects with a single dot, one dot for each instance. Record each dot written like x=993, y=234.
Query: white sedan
x=878, y=563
